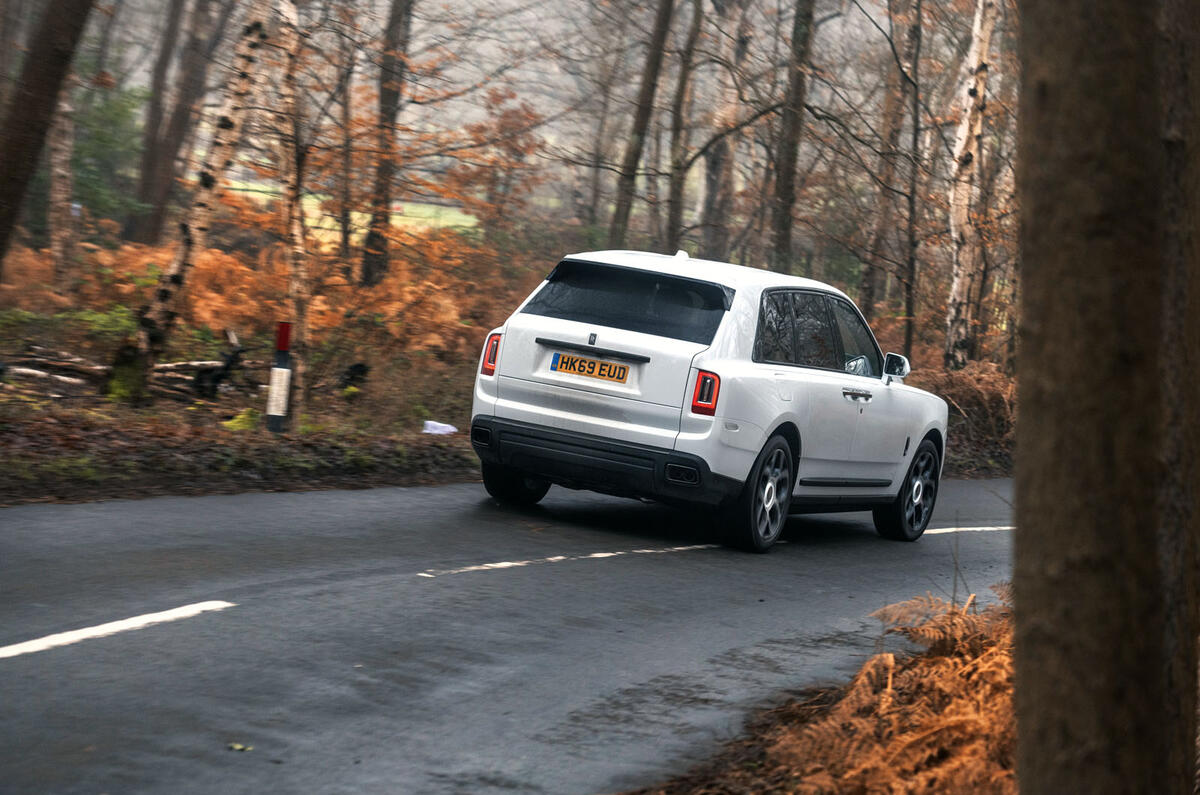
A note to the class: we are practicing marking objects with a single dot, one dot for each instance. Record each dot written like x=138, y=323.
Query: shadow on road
x=634, y=522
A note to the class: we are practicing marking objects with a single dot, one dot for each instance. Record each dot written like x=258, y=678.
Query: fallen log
x=31, y=373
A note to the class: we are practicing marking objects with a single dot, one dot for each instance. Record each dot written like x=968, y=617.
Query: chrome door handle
x=856, y=395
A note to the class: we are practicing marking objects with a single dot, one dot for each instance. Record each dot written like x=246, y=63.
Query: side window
x=860, y=354
x=814, y=332
x=774, y=342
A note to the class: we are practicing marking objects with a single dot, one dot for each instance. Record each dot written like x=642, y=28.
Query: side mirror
x=895, y=366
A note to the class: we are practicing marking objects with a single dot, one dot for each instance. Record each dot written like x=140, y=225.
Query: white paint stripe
x=111, y=628
x=514, y=564
x=936, y=530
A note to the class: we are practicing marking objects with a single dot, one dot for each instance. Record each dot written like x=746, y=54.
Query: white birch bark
x=292, y=153
x=964, y=236
x=236, y=98
x=60, y=215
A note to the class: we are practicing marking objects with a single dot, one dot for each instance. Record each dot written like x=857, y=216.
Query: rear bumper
x=584, y=461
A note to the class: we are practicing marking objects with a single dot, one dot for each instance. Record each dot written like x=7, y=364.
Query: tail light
x=491, y=351
x=708, y=389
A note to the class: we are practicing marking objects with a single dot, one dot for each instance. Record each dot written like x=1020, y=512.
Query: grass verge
x=64, y=454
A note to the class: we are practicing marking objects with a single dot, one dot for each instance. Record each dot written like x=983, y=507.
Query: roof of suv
x=720, y=272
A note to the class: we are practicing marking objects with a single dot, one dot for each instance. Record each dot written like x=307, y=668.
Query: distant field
x=406, y=214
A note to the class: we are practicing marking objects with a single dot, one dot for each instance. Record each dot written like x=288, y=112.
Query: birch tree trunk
x=293, y=156
x=60, y=213
x=679, y=101
x=791, y=127
x=157, y=319
x=964, y=235
x=1089, y=600
x=31, y=109
x=641, y=120
x=393, y=73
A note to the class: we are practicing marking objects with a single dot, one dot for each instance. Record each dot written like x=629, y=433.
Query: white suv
x=707, y=384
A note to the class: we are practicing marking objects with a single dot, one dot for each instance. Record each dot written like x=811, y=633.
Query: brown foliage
x=939, y=722
x=983, y=415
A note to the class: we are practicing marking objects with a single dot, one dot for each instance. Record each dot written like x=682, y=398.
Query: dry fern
x=939, y=722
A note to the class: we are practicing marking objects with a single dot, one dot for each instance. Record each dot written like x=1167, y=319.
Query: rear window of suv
x=633, y=300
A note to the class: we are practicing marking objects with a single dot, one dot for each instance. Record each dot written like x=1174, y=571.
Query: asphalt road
x=370, y=649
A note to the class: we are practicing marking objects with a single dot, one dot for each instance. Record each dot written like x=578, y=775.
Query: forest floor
x=941, y=721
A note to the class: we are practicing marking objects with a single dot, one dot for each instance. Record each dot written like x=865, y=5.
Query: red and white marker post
x=281, y=379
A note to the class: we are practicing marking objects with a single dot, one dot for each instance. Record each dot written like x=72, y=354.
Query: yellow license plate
x=592, y=368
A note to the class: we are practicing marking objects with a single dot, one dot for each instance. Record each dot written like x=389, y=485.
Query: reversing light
x=708, y=389
x=491, y=350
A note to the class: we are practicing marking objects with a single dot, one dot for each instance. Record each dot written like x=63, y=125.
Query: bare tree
x=31, y=110
x=641, y=121
x=157, y=320
x=679, y=100
x=164, y=144
x=156, y=110
x=792, y=125
x=896, y=90
x=392, y=74
x=965, y=245
x=732, y=26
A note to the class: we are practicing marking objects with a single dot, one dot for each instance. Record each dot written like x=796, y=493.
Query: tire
x=512, y=487
x=906, y=518
x=756, y=520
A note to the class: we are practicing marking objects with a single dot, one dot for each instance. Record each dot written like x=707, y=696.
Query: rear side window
x=814, y=331
x=633, y=300
x=795, y=328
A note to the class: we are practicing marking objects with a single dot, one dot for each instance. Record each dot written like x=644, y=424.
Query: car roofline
x=724, y=273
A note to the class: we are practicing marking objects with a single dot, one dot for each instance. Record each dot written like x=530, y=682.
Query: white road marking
x=514, y=564
x=111, y=628
x=936, y=530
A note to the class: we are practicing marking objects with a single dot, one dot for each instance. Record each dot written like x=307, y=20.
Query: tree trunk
x=293, y=156
x=653, y=204
x=1178, y=63
x=157, y=185
x=896, y=90
x=641, y=120
x=964, y=236
x=393, y=72
x=719, y=159
x=1087, y=575
x=31, y=109
x=914, y=171
x=156, y=321
x=12, y=17
x=791, y=126
x=679, y=162
x=60, y=211
x=101, y=80
x=345, y=204
x=155, y=111
x=189, y=93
